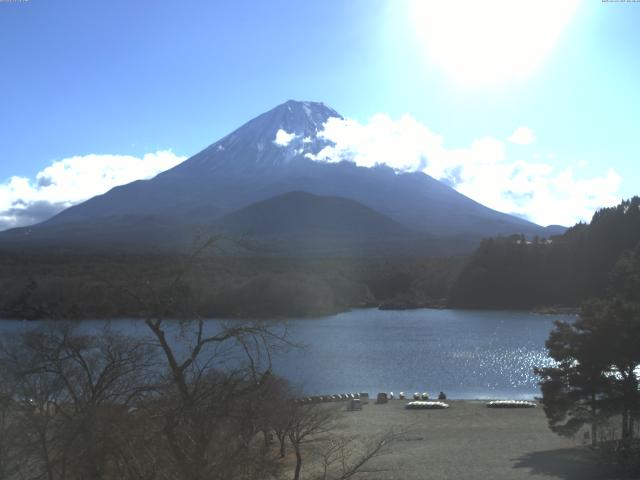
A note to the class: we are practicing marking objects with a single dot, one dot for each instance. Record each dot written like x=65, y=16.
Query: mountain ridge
x=267, y=157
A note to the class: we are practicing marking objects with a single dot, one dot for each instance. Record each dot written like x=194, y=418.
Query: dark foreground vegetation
x=596, y=379
x=204, y=405
x=109, y=407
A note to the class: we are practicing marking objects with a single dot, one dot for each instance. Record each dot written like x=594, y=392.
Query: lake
x=465, y=353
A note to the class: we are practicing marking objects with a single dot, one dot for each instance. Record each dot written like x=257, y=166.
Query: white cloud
x=283, y=138
x=69, y=181
x=522, y=136
x=532, y=189
x=400, y=144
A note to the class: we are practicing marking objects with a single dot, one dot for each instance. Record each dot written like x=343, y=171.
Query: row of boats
x=422, y=405
x=339, y=397
x=382, y=397
x=511, y=404
x=420, y=400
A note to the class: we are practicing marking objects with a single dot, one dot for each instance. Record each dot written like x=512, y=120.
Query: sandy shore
x=471, y=441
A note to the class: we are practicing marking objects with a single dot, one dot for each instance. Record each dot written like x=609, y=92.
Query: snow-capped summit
x=274, y=138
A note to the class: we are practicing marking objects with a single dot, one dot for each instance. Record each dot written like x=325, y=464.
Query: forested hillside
x=512, y=272
x=504, y=273
x=94, y=286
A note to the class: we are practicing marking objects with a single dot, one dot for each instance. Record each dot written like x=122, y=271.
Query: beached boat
x=511, y=404
x=421, y=405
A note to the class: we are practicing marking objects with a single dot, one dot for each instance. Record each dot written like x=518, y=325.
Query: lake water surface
x=467, y=354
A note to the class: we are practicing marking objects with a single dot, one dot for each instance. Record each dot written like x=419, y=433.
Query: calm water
x=467, y=354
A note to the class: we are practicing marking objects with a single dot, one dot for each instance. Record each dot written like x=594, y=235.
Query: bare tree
x=308, y=423
x=214, y=374
x=342, y=457
x=71, y=394
x=9, y=457
x=313, y=430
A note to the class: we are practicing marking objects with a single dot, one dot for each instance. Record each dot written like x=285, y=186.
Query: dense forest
x=108, y=286
x=565, y=270
x=506, y=272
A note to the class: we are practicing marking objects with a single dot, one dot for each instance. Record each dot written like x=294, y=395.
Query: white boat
x=421, y=405
x=511, y=404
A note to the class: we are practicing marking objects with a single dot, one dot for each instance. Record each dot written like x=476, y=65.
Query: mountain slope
x=304, y=214
x=299, y=223
x=262, y=159
x=224, y=174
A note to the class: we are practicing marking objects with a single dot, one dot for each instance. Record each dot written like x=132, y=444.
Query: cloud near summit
x=283, y=138
x=64, y=183
x=483, y=170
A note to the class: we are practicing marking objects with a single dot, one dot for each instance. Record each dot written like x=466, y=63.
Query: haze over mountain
x=301, y=213
x=267, y=157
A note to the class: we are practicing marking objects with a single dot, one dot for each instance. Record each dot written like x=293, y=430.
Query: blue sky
x=108, y=91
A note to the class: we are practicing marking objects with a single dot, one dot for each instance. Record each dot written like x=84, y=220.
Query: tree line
x=503, y=273
x=79, y=285
x=520, y=273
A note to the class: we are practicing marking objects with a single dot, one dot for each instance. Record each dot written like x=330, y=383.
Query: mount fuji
x=263, y=170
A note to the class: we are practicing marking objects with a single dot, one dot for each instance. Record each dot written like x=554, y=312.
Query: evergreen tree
x=597, y=369
x=576, y=389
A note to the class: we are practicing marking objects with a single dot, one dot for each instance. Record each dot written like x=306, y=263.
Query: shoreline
x=536, y=310
x=470, y=441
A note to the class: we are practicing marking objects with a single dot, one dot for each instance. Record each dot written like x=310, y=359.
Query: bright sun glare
x=481, y=43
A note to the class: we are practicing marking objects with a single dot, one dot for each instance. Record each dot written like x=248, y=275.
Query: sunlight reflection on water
x=465, y=353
